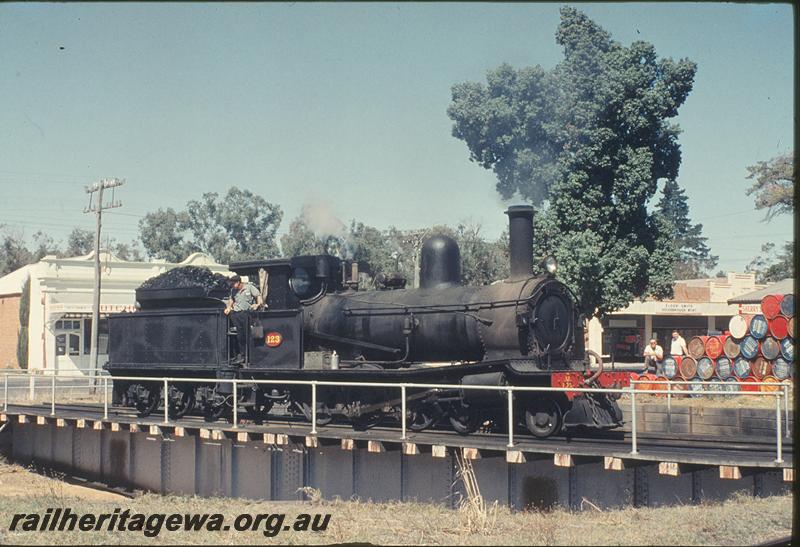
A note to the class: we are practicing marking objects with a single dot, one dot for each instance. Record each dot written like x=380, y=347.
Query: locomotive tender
x=521, y=331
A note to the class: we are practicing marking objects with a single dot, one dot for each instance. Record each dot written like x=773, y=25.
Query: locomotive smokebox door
x=281, y=342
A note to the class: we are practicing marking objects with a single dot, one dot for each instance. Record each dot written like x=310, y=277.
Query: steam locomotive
x=520, y=331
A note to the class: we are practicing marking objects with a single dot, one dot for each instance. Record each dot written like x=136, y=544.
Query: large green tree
x=694, y=257
x=236, y=226
x=589, y=139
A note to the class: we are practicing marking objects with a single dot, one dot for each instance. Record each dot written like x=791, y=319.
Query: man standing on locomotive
x=244, y=297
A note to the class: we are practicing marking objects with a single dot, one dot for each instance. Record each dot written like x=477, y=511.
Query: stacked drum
x=756, y=348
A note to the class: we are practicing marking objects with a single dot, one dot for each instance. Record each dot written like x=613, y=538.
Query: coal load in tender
x=184, y=282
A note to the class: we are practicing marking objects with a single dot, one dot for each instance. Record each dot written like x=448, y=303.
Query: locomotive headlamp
x=551, y=264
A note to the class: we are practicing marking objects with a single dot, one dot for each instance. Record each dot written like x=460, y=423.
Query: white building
x=61, y=291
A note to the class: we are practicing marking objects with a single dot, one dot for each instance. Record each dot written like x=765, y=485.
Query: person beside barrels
x=677, y=347
x=653, y=354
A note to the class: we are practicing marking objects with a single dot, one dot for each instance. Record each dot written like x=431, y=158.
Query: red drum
x=779, y=327
x=771, y=305
x=714, y=345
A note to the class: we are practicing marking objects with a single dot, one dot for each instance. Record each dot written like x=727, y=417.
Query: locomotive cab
x=289, y=284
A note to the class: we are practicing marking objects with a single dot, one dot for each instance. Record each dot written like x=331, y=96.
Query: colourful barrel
x=741, y=368
x=731, y=347
x=749, y=347
x=771, y=305
x=679, y=388
x=770, y=348
x=746, y=384
x=759, y=327
x=714, y=346
x=774, y=384
x=647, y=377
x=738, y=325
x=724, y=368
x=787, y=349
x=697, y=346
x=717, y=386
x=660, y=384
x=779, y=327
x=696, y=386
x=791, y=331
x=781, y=368
x=787, y=305
x=669, y=366
x=760, y=367
x=731, y=384
x=687, y=368
x=705, y=368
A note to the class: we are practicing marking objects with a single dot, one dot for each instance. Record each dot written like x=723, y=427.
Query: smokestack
x=520, y=240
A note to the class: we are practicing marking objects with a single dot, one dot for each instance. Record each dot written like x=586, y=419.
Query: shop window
x=61, y=344
x=74, y=344
x=102, y=337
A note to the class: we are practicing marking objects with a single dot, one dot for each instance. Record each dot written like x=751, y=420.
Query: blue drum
x=781, y=368
x=715, y=386
x=695, y=386
x=724, y=368
x=705, y=368
x=749, y=347
x=787, y=349
x=759, y=326
x=787, y=305
x=741, y=367
x=731, y=384
x=669, y=366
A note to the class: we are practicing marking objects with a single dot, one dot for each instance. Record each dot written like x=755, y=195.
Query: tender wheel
x=423, y=416
x=464, y=420
x=147, y=400
x=181, y=401
x=543, y=417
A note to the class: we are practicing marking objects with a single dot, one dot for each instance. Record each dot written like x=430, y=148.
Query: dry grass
x=739, y=521
x=477, y=516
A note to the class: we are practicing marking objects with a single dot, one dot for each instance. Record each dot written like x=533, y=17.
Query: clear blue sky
x=347, y=103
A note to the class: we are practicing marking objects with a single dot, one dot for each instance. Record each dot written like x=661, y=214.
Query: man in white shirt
x=653, y=354
x=678, y=346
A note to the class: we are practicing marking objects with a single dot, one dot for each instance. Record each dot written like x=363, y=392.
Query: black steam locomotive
x=521, y=331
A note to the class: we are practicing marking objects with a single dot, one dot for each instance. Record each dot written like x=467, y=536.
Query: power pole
x=97, y=207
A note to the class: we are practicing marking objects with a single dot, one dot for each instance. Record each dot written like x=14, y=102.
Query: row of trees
x=15, y=253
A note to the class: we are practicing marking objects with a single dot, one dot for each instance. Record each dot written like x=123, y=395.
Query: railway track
x=688, y=449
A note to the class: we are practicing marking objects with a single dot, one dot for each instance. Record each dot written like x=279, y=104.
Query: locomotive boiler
x=520, y=331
